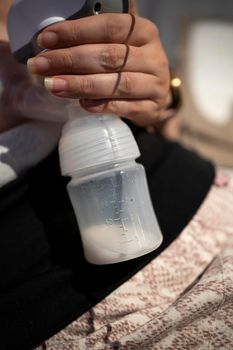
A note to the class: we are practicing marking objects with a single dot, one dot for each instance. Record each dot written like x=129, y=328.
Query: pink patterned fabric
x=182, y=300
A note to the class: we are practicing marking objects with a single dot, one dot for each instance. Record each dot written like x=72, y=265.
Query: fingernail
x=55, y=84
x=38, y=65
x=47, y=39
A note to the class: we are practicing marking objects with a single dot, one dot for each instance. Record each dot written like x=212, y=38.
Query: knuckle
x=73, y=32
x=113, y=106
x=126, y=84
x=86, y=86
x=62, y=61
x=152, y=29
x=134, y=112
x=112, y=58
x=157, y=109
x=112, y=29
x=68, y=61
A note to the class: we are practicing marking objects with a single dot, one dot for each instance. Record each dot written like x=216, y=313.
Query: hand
x=113, y=63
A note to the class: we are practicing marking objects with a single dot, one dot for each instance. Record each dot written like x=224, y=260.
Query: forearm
x=4, y=8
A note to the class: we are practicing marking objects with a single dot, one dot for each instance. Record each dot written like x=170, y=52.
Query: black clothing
x=45, y=281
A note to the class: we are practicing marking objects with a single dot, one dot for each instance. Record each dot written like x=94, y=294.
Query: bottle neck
x=95, y=142
x=126, y=163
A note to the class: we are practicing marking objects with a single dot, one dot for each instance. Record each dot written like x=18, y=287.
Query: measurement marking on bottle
x=109, y=222
x=123, y=224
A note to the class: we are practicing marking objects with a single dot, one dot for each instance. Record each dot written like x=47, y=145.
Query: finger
x=104, y=28
x=110, y=85
x=142, y=112
x=96, y=58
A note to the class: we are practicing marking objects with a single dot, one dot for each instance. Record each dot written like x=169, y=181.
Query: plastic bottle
x=108, y=189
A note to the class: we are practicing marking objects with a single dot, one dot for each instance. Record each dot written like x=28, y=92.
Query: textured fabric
x=182, y=300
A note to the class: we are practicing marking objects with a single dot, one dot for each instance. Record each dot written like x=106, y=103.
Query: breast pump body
x=108, y=188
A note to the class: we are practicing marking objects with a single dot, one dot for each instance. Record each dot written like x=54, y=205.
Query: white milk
x=107, y=245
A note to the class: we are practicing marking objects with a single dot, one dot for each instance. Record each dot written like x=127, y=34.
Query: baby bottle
x=108, y=189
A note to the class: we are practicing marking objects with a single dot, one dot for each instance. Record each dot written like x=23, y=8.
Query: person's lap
x=181, y=299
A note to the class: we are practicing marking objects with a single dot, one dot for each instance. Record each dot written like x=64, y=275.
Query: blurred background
x=198, y=39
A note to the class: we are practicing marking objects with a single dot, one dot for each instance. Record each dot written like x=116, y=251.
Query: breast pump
x=108, y=189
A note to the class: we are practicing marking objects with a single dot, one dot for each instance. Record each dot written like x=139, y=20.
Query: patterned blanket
x=182, y=300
